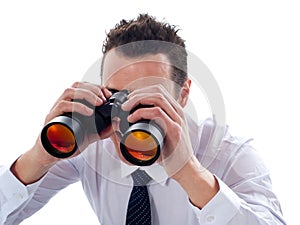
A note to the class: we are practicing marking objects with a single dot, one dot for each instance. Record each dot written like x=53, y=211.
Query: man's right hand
x=33, y=164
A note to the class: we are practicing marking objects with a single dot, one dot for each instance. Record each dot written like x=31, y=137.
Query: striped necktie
x=139, y=211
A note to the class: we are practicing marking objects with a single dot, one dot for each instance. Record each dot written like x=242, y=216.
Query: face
x=121, y=72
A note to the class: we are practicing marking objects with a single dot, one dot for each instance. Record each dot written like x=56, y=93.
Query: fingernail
x=124, y=105
x=129, y=118
x=99, y=100
x=88, y=110
x=102, y=100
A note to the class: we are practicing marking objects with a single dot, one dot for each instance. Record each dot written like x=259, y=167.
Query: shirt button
x=18, y=196
x=210, y=218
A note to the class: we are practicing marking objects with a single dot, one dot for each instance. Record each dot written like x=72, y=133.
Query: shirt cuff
x=14, y=192
x=221, y=208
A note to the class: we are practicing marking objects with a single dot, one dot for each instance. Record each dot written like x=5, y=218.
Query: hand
x=167, y=113
x=33, y=164
x=95, y=95
x=177, y=155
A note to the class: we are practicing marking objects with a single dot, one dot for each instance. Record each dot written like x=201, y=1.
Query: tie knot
x=140, y=178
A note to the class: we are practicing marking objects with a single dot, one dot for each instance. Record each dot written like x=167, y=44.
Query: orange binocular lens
x=61, y=138
x=141, y=145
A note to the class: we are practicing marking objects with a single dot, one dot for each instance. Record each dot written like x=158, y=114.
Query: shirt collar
x=155, y=171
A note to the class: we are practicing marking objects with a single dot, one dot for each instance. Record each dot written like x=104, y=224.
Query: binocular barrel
x=141, y=142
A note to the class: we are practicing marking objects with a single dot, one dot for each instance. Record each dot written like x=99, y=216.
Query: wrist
x=199, y=183
x=191, y=167
x=32, y=165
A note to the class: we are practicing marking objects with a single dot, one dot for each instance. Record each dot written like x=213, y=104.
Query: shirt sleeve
x=220, y=209
x=12, y=193
x=17, y=201
x=245, y=195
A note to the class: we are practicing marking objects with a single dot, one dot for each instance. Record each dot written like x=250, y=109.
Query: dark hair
x=147, y=28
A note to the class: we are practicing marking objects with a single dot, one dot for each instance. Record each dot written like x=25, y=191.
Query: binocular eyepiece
x=141, y=141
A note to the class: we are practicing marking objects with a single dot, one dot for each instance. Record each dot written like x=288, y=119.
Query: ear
x=184, y=93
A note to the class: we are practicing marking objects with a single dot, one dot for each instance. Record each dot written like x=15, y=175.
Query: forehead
x=119, y=71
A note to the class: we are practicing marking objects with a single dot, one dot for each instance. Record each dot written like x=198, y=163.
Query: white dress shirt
x=245, y=195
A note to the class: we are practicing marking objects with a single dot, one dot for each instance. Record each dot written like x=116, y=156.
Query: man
x=235, y=187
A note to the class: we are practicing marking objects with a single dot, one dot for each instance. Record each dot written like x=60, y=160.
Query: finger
x=172, y=130
x=67, y=106
x=156, y=96
x=94, y=88
x=158, y=102
x=160, y=92
x=82, y=93
x=102, y=92
x=158, y=115
x=106, y=92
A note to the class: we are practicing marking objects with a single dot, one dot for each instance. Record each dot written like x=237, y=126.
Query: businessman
x=234, y=188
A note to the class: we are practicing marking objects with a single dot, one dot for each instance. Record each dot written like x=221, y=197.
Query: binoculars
x=141, y=142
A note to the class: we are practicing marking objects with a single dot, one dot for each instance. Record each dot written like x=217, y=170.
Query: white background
x=251, y=47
